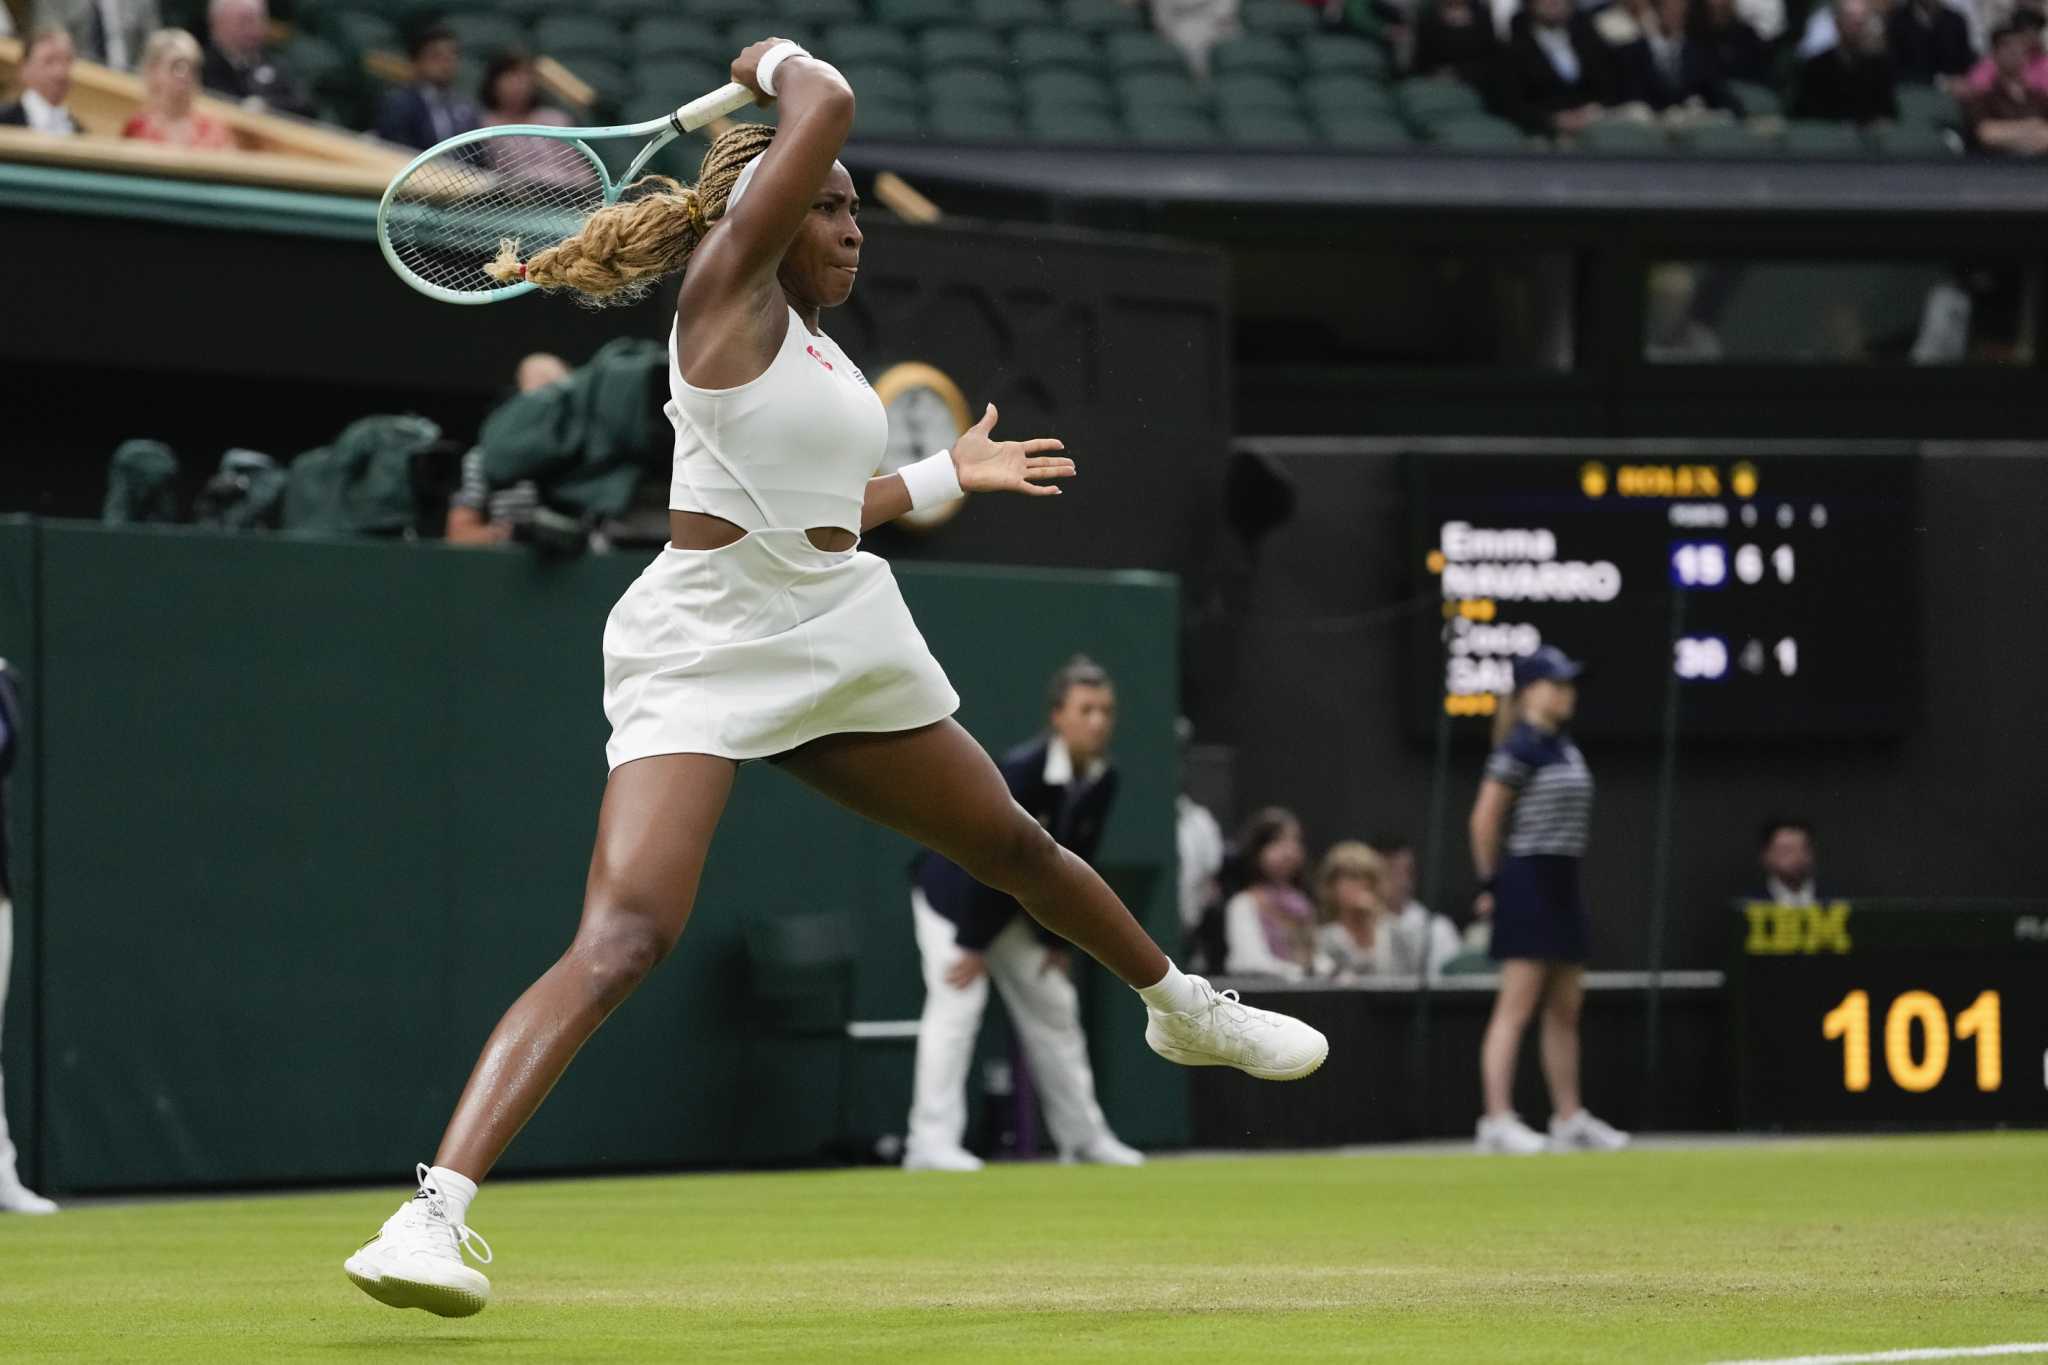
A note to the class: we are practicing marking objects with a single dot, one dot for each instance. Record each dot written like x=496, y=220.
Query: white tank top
x=793, y=447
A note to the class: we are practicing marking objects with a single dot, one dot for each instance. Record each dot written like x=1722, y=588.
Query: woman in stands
x=763, y=631
x=1529, y=830
x=1269, y=925
x=170, y=88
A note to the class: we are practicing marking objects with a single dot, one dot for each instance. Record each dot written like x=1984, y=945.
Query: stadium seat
x=531, y=12
x=1255, y=53
x=360, y=31
x=1756, y=99
x=1622, y=137
x=671, y=37
x=1066, y=89
x=1254, y=92
x=1334, y=52
x=1916, y=140
x=1289, y=17
x=624, y=13
x=668, y=82
x=723, y=12
x=1159, y=89
x=1818, y=138
x=1339, y=91
x=972, y=122
x=1142, y=52
x=1726, y=139
x=1430, y=101
x=890, y=84
x=887, y=119
x=609, y=79
x=1365, y=130
x=1924, y=106
x=1060, y=123
x=946, y=47
x=320, y=63
x=1031, y=48
x=1481, y=133
x=485, y=33
x=1166, y=125
x=1101, y=16
x=1013, y=14
x=568, y=36
x=920, y=13
x=1264, y=127
x=741, y=34
x=870, y=44
x=817, y=13
x=955, y=85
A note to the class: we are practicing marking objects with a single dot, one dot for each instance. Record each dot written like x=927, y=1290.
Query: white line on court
x=2010, y=1348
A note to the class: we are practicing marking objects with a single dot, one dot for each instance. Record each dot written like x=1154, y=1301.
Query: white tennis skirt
x=751, y=649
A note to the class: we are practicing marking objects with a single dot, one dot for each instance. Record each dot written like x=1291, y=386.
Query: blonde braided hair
x=625, y=247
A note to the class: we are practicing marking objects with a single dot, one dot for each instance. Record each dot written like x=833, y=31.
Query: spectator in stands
x=1739, y=51
x=1198, y=839
x=1558, y=76
x=1852, y=81
x=1985, y=74
x=510, y=94
x=1351, y=895
x=15, y=1197
x=1667, y=68
x=1455, y=38
x=45, y=85
x=1269, y=927
x=1423, y=941
x=1785, y=852
x=239, y=65
x=428, y=111
x=2012, y=116
x=479, y=514
x=110, y=32
x=170, y=86
x=1930, y=43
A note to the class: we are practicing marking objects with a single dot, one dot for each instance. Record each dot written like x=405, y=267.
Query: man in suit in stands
x=1558, y=75
x=15, y=1197
x=110, y=32
x=239, y=68
x=45, y=85
x=968, y=935
x=429, y=110
x=1785, y=854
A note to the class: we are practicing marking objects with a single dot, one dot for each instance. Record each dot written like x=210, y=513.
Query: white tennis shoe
x=1104, y=1149
x=917, y=1157
x=415, y=1260
x=1222, y=1030
x=1584, y=1133
x=16, y=1197
x=1507, y=1135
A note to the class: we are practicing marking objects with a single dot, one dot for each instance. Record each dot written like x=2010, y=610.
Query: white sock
x=456, y=1188
x=1173, y=993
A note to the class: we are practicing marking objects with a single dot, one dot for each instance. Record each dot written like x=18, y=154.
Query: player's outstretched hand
x=986, y=465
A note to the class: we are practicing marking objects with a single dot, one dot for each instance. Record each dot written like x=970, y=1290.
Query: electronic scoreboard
x=1860, y=1012
x=1795, y=570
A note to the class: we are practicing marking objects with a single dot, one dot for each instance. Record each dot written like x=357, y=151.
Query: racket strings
x=448, y=221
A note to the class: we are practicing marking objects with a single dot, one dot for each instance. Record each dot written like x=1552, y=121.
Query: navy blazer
x=978, y=913
x=405, y=118
x=10, y=745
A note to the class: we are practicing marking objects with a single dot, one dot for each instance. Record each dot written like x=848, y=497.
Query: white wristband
x=931, y=481
x=764, y=74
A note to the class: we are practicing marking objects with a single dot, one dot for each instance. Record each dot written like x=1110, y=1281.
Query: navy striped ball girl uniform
x=1538, y=911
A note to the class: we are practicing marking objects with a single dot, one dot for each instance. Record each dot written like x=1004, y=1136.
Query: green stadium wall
x=299, y=818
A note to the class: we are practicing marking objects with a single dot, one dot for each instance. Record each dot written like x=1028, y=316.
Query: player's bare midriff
x=702, y=531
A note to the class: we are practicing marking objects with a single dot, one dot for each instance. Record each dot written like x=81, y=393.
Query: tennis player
x=762, y=631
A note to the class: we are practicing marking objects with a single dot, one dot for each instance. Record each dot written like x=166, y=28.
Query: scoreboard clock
x=1887, y=1012
x=1795, y=569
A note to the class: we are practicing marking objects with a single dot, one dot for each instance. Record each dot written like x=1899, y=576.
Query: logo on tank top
x=852, y=369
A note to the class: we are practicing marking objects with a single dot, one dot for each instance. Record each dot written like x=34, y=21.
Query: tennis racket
x=443, y=216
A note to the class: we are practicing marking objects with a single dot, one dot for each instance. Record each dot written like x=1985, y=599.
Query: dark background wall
x=310, y=814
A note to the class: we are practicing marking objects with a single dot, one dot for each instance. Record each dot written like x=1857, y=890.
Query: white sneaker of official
x=922, y=1157
x=415, y=1260
x=1584, y=1133
x=1222, y=1030
x=1103, y=1150
x=16, y=1197
x=1507, y=1135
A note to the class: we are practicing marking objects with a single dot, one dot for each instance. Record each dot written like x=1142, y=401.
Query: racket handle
x=715, y=105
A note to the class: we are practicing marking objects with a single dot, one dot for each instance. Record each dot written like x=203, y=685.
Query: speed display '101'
x=1795, y=569
x=1891, y=1012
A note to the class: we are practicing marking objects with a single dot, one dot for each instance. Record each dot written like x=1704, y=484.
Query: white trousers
x=1043, y=1005
x=7, y=1170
